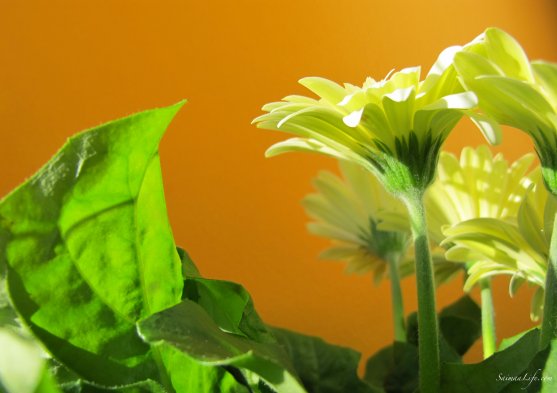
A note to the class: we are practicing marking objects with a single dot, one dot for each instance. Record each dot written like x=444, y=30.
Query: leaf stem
x=396, y=297
x=428, y=330
x=549, y=322
x=489, y=338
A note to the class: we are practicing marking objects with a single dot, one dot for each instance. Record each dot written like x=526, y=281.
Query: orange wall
x=68, y=65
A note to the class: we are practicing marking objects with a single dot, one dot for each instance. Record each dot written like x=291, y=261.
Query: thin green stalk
x=428, y=330
x=396, y=298
x=549, y=322
x=489, y=339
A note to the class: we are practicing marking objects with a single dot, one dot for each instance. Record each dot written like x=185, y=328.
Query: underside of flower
x=516, y=247
x=475, y=185
x=514, y=91
x=348, y=210
x=413, y=169
x=394, y=127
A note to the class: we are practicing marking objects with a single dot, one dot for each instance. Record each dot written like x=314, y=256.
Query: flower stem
x=396, y=298
x=489, y=339
x=428, y=330
x=549, y=322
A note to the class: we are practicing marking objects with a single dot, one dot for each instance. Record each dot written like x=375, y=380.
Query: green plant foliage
x=188, y=328
x=87, y=256
x=89, y=251
x=395, y=368
x=460, y=326
x=491, y=374
x=230, y=307
x=322, y=367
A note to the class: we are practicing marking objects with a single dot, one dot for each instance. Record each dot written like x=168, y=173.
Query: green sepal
x=410, y=169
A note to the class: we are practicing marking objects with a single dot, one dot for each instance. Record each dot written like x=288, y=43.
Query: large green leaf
x=322, y=367
x=188, y=328
x=89, y=250
x=493, y=374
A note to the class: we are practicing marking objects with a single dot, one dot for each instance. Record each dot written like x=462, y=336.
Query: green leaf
x=70, y=382
x=187, y=327
x=89, y=250
x=230, y=307
x=394, y=368
x=460, y=324
x=447, y=353
x=509, y=341
x=148, y=386
x=322, y=367
x=490, y=375
x=189, y=269
x=188, y=375
x=460, y=327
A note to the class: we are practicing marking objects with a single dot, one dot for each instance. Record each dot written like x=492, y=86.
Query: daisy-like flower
x=514, y=91
x=518, y=248
x=348, y=210
x=394, y=128
x=522, y=94
x=478, y=185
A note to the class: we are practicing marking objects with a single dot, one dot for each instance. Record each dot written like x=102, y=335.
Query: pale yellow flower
x=350, y=211
x=474, y=186
x=393, y=127
x=518, y=248
x=514, y=91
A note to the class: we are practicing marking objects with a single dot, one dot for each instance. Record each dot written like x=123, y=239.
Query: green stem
x=549, y=322
x=428, y=330
x=489, y=338
x=396, y=298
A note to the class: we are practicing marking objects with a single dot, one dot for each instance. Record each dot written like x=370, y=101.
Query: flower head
x=518, y=248
x=393, y=127
x=367, y=225
x=478, y=185
x=350, y=211
x=514, y=91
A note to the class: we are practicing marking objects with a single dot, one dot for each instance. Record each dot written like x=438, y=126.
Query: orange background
x=70, y=65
